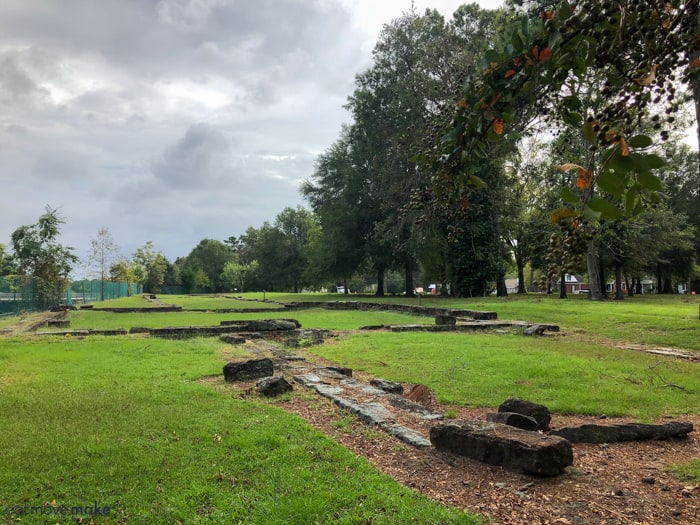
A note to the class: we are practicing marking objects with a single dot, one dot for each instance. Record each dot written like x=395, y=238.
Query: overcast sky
x=174, y=120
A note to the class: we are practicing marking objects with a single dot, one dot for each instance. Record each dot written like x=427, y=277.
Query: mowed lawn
x=122, y=426
x=126, y=422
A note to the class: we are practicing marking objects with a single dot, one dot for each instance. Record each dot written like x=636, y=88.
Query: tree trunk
x=380, y=282
x=603, y=281
x=593, y=274
x=521, y=276
x=668, y=286
x=501, y=288
x=532, y=279
x=409, y=279
x=619, y=296
x=562, y=285
x=345, y=286
x=630, y=286
x=659, y=280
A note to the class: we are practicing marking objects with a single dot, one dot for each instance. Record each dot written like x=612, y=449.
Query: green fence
x=19, y=294
x=81, y=292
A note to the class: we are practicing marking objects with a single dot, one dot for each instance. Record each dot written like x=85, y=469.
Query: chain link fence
x=24, y=294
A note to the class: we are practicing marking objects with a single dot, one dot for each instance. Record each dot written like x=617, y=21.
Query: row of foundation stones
x=518, y=437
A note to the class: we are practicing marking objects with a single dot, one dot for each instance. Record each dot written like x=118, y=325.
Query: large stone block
x=248, y=370
x=273, y=386
x=624, y=432
x=527, y=408
x=512, y=448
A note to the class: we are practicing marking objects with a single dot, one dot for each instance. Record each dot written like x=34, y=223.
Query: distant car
x=340, y=289
x=583, y=290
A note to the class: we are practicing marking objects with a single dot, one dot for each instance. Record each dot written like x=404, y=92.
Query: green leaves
x=604, y=208
x=640, y=141
x=612, y=182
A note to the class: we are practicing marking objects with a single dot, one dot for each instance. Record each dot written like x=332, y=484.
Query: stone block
x=513, y=449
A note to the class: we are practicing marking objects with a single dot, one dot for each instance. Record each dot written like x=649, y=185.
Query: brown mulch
x=620, y=483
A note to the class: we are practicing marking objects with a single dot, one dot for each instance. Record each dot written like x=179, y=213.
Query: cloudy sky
x=174, y=120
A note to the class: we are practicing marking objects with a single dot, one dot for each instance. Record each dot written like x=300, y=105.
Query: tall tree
x=635, y=47
x=38, y=254
x=344, y=211
x=209, y=258
x=103, y=251
x=124, y=270
x=150, y=267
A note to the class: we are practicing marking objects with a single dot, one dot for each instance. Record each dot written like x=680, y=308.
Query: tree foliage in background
x=150, y=267
x=201, y=270
x=38, y=254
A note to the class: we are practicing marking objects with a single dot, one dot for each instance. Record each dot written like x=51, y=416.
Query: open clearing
x=604, y=486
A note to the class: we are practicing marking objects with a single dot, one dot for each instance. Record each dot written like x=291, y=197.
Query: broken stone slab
x=273, y=386
x=540, y=413
x=272, y=325
x=625, y=432
x=442, y=319
x=248, y=370
x=416, y=409
x=342, y=370
x=387, y=386
x=535, y=329
x=512, y=448
x=408, y=435
x=308, y=380
x=233, y=339
x=514, y=419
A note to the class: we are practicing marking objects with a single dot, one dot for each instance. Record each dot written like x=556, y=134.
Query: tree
x=637, y=49
x=236, y=277
x=6, y=263
x=103, y=250
x=124, y=271
x=337, y=197
x=150, y=267
x=37, y=254
x=295, y=227
x=210, y=257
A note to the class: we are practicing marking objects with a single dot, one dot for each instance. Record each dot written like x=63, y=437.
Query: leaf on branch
x=492, y=67
x=498, y=126
x=648, y=79
x=510, y=73
x=569, y=167
x=584, y=179
x=624, y=148
x=462, y=104
x=545, y=55
x=536, y=52
x=562, y=213
x=640, y=141
x=695, y=63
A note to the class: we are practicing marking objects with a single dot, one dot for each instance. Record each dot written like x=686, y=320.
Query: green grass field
x=124, y=422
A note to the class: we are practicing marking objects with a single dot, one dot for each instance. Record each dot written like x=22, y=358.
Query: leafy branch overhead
x=640, y=52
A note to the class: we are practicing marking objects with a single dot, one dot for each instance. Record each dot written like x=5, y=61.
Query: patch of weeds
x=305, y=342
x=344, y=423
x=451, y=413
x=687, y=472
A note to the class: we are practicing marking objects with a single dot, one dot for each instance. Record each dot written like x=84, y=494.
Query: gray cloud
x=170, y=120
